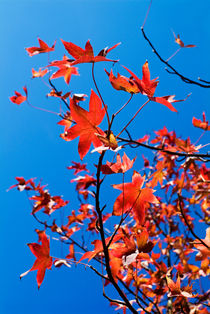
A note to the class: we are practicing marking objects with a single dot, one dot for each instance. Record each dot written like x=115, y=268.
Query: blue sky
x=30, y=142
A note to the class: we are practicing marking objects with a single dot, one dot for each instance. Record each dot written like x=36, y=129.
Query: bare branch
x=205, y=84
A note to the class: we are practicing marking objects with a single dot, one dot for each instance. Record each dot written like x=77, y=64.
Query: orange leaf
x=123, y=83
x=180, y=42
x=175, y=289
x=201, y=124
x=39, y=73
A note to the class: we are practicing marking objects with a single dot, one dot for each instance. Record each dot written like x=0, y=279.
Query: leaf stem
x=133, y=117
x=96, y=86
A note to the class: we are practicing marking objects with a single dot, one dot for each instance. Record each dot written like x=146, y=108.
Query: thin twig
x=53, y=86
x=133, y=118
x=96, y=86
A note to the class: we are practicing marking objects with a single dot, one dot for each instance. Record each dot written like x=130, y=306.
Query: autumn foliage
x=145, y=243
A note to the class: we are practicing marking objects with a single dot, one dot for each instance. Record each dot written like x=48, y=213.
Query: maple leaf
x=201, y=124
x=175, y=288
x=43, y=47
x=180, y=42
x=43, y=259
x=23, y=184
x=147, y=87
x=46, y=201
x=134, y=198
x=18, y=98
x=124, y=249
x=71, y=254
x=109, y=142
x=66, y=121
x=54, y=93
x=86, y=124
x=39, y=73
x=86, y=55
x=143, y=244
x=158, y=175
x=65, y=69
x=119, y=166
x=123, y=83
x=75, y=218
x=98, y=247
x=78, y=167
x=83, y=182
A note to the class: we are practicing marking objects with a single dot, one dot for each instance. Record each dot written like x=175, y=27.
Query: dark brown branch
x=144, y=295
x=64, y=101
x=205, y=84
x=105, y=248
x=187, y=223
x=112, y=300
x=194, y=155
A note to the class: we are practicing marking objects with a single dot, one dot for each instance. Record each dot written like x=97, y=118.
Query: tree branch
x=205, y=84
x=187, y=223
x=195, y=155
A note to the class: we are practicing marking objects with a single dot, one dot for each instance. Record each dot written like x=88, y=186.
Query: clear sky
x=30, y=142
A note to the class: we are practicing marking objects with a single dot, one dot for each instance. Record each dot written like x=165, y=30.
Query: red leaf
x=43, y=259
x=98, y=248
x=147, y=87
x=78, y=167
x=86, y=55
x=133, y=198
x=46, y=201
x=87, y=124
x=18, y=98
x=65, y=69
x=201, y=124
x=164, y=100
x=43, y=47
x=83, y=182
x=123, y=249
x=23, y=185
x=67, y=121
x=118, y=167
x=71, y=252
